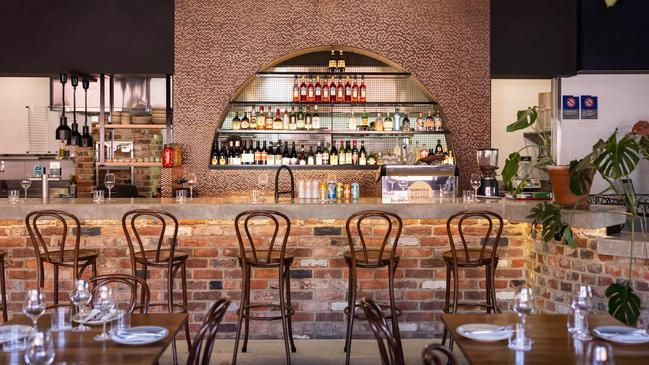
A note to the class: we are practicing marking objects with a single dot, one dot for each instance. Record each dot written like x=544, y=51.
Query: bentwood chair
x=389, y=345
x=207, y=333
x=3, y=288
x=133, y=283
x=383, y=255
x=471, y=257
x=253, y=255
x=163, y=257
x=436, y=354
x=76, y=258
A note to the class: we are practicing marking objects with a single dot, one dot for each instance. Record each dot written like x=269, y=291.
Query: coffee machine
x=488, y=163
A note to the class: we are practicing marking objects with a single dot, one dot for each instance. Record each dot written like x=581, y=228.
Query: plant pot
x=560, y=180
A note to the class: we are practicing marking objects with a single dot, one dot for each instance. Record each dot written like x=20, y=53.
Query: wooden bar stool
x=78, y=259
x=471, y=257
x=160, y=257
x=391, y=354
x=3, y=294
x=364, y=258
x=251, y=257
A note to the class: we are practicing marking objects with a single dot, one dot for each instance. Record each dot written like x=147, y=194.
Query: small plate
x=96, y=319
x=621, y=334
x=140, y=335
x=5, y=331
x=484, y=332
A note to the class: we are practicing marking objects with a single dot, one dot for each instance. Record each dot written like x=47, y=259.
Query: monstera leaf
x=618, y=158
x=644, y=147
x=548, y=216
x=510, y=170
x=581, y=177
x=524, y=119
x=623, y=303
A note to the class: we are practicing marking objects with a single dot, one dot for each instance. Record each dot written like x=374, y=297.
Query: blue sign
x=570, y=107
x=589, y=107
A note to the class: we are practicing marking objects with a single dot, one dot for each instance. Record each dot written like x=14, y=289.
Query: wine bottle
x=237, y=153
x=258, y=154
x=362, y=155
x=363, y=91
x=318, y=155
x=351, y=122
x=244, y=153
x=354, y=154
x=318, y=90
x=223, y=156
x=215, y=154
x=333, y=64
x=325, y=90
x=296, y=90
x=292, y=120
x=278, y=123
x=316, y=118
x=341, y=63
x=286, y=121
x=253, y=119
x=340, y=153
x=348, y=153
x=236, y=122
x=405, y=123
x=378, y=122
x=348, y=91
x=333, y=155
x=303, y=91
x=261, y=119
x=310, y=158
x=388, y=125
x=308, y=119
x=270, y=155
x=264, y=154
x=301, y=159
x=286, y=155
x=310, y=91
x=332, y=90
x=325, y=154
x=365, y=121
x=300, y=119
x=355, y=90
x=293, y=155
x=269, y=119
x=340, y=91
x=245, y=122
x=278, y=153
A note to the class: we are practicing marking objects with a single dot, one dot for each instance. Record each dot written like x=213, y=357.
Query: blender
x=488, y=163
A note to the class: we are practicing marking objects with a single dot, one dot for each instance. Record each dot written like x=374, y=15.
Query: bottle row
x=329, y=91
x=301, y=120
x=337, y=64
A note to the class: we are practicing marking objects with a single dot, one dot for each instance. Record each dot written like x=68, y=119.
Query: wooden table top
x=81, y=348
x=552, y=343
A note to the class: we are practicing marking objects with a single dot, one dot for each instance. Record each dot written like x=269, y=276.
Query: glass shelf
x=327, y=131
x=328, y=73
x=295, y=167
x=368, y=104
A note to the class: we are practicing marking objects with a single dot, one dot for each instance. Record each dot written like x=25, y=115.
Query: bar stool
x=389, y=348
x=471, y=257
x=78, y=259
x=251, y=257
x=376, y=258
x=3, y=294
x=160, y=257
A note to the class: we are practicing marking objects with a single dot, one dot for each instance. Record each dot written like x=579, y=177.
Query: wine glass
x=34, y=306
x=191, y=182
x=582, y=304
x=40, y=350
x=25, y=184
x=80, y=297
x=104, y=303
x=109, y=182
x=403, y=184
x=262, y=180
x=599, y=353
x=523, y=305
x=475, y=182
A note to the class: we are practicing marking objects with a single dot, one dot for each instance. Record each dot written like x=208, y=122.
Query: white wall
x=623, y=100
x=508, y=97
x=15, y=94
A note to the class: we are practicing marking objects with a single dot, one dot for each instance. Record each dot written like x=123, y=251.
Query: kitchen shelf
x=273, y=131
x=132, y=126
x=328, y=73
x=295, y=167
x=368, y=104
x=328, y=131
x=133, y=164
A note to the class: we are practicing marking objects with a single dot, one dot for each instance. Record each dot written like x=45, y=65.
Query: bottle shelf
x=273, y=131
x=132, y=126
x=330, y=132
x=295, y=167
x=368, y=104
x=132, y=164
x=328, y=73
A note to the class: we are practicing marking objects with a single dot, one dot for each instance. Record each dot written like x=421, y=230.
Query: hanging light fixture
x=86, y=137
x=75, y=136
x=63, y=131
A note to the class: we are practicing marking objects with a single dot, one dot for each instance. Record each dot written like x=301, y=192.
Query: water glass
x=571, y=318
x=523, y=305
x=40, y=350
x=582, y=304
x=255, y=195
x=80, y=297
x=122, y=323
x=14, y=196
x=468, y=196
x=98, y=196
x=599, y=353
x=34, y=305
x=16, y=341
x=520, y=339
x=61, y=320
x=181, y=195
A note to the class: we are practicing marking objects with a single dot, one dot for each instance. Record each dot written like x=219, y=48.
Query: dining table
x=551, y=342
x=81, y=347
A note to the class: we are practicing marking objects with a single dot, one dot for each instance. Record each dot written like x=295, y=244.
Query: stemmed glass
x=25, y=184
x=262, y=180
x=80, y=296
x=403, y=184
x=475, y=182
x=109, y=182
x=191, y=182
x=582, y=304
x=104, y=303
x=41, y=349
x=34, y=306
x=523, y=305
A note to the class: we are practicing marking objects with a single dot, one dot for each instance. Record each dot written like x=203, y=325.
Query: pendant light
x=86, y=138
x=63, y=131
x=75, y=136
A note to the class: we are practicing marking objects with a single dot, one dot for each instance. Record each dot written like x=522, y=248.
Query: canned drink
x=347, y=192
x=339, y=190
x=356, y=191
x=331, y=190
x=323, y=191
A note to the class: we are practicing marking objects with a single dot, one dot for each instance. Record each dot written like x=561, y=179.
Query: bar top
x=597, y=216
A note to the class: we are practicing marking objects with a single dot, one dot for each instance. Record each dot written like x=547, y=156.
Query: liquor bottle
x=310, y=158
x=269, y=119
x=333, y=64
x=420, y=123
x=316, y=118
x=245, y=122
x=264, y=154
x=318, y=90
x=362, y=96
x=215, y=154
x=286, y=121
x=286, y=155
x=348, y=91
x=423, y=152
x=430, y=124
x=348, y=153
x=437, y=122
x=236, y=122
x=378, y=123
x=451, y=157
x=300, y=119
x=325, y=154
x=250, y=159
x=325, y=90
x=365, y=121
x=261, y=119
x=278, y=123
x=310, y=91
x=351, y=122
x=293, y=155
x=244, y=153
x=301, y=159
x=278, y=153
x=397, y=120
x=236, y=157
x=341, y=63
x=340, y=91
x=308, y=119
x=230, y=153
x=388, y=125
x=332, y=90
x=303, y=90
x=296, y=91
x=258, y=154
x=292, y=120
x=362, y=155
x=405, y=124
x=354, y=154
x=439, y=150
x=355, y=90
x=341, y=154
x=253, y=119
x=318, y=155
x=270, y=155
x=333, y=155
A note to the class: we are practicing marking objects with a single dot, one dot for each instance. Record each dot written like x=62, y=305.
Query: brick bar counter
x=319, y=274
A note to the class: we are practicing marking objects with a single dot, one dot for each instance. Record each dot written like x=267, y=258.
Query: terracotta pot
x=560, y=180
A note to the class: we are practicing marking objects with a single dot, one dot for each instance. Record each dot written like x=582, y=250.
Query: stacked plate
x=126, y=117
x=116, y=117
x=141, y=119
x=159, y=115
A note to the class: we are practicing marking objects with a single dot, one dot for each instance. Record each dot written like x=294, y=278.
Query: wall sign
x=589, y=107
x=570, y=107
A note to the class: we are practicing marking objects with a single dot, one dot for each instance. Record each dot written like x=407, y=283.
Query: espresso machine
x=488, y=163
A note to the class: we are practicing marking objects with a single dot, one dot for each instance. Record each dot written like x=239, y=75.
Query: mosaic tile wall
x=220, y=44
